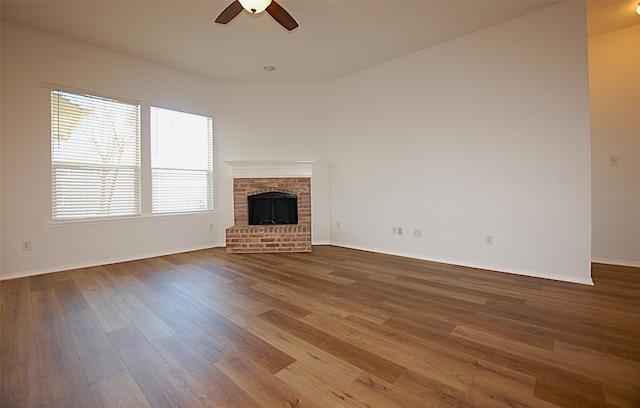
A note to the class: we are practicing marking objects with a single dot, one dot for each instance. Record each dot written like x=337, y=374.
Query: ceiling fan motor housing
x=255, y=6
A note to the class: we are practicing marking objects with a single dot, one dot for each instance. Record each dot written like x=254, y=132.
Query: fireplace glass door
x=273, y=208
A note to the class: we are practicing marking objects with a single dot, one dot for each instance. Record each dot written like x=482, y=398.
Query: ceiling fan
x=258, y=6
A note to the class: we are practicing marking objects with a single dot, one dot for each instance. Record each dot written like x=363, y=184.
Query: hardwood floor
x=331, y=328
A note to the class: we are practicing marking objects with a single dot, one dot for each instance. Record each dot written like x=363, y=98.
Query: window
x=95, y=152
x=181, y=162
x=96, y=164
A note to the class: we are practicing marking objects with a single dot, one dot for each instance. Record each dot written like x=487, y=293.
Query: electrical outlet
x=488, y=239
x=399, y=230
x=395, y=230
x=417, y=232
x=614, y=160
x=338, y=225
x=26, y=245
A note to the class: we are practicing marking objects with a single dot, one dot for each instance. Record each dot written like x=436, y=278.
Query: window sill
x=127, y=220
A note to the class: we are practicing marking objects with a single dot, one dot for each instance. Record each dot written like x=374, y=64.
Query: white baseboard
x=496, y=268
x=618, y=262
x=445, y=261
x=60, y=268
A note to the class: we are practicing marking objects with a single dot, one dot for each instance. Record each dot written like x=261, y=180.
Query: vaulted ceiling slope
x=335, y=38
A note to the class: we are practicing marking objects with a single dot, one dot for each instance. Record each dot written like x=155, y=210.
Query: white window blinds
x=95, y=150
x=181, y=162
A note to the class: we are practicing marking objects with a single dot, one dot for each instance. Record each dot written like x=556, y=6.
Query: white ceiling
x=335, y=38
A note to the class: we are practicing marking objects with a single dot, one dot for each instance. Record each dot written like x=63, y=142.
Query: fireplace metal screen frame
x=272, y=208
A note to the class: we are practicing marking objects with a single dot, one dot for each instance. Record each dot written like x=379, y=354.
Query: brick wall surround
x=245, y=238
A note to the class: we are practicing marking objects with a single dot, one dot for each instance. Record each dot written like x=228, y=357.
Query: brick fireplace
x=257, y=177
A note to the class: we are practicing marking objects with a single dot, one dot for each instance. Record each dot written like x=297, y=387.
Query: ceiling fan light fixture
x=255, y=6
x=638, y=9
x=258, y=6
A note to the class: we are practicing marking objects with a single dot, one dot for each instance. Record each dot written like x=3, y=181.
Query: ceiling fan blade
x=230, y=12
x=281, y=16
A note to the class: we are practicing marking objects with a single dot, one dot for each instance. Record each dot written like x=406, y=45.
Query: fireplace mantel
x=270, y=168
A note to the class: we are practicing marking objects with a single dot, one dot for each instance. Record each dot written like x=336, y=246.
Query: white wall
x=614, y=64
x=249, y=121
x=485, y=134
x=0, y=148
x=276, y=121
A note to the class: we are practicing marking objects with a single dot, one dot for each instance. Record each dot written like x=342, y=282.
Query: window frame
x=208, y=173
x=83, y=165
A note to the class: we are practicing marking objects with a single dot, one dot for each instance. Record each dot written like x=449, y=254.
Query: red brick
x=242, y=238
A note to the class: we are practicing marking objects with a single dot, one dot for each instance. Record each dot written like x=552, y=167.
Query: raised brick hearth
x=244, y=238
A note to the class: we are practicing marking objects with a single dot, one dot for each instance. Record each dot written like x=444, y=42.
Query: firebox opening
x=273, y=208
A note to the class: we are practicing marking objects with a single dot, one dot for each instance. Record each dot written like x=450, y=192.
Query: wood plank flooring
x=331, y=328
